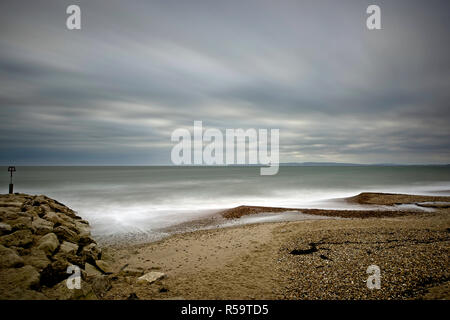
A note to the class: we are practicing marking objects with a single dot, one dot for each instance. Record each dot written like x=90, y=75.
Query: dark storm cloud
x=113, y=92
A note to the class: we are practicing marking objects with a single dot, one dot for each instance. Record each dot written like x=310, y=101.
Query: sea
x=143, y=200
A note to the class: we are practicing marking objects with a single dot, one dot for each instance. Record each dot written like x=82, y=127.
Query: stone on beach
x=151, y=277
x=104, y=266
x=130, y=271
x=91, y=270
x=91, y=252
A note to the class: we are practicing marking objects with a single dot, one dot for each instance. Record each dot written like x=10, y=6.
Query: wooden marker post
x=11, y=186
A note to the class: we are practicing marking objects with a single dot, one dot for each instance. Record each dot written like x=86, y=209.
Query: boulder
x=48, y=243
x=91, y=270
x=59, y=219
x=42, y=226
x=64, y=233
x=82, y=229
x=68, y=247
x=25, y=277
x=151, y=277
x=104, y=266
x=85, y=240
x=20, y=238
x=21, y=223
x=8, y=215
x=5, y=228
x=11, y=203
x=91, y=253
x=72, y=258
x=59, y=207
x=9, y=258
x=37, y=258
x=45, y=207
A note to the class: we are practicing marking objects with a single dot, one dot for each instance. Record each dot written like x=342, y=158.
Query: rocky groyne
x=40, y=239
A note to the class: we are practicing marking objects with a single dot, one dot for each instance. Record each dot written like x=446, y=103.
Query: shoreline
x=253, y=261
x=367, y=205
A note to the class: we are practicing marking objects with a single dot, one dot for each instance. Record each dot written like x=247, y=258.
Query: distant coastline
x=281, y=164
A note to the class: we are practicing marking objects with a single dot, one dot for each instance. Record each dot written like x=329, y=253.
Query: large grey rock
x=85, y=240
x=5, y=228
x=9, y=258
x=82, y=229
x=58, y=207
x=19, y=238
x=91, y=270
x=42, y=226
x=48, y=243
x=25, y=277
x=60, y=219
x=104, y=266
x=21, y=223
x=72, y=258
x=64, y=233
x=7, y=215
x=68, y=247
x=91, y=253
x=150, y=277
x=37, y=258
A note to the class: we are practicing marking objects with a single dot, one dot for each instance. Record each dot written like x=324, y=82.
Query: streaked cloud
x=113, y=92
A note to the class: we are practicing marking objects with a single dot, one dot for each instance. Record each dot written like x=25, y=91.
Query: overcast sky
x=113, y=92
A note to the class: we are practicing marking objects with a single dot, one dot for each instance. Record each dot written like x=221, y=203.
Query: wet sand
x=256, y=261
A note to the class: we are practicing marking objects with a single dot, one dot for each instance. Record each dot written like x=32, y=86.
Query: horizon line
x=293, y=164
